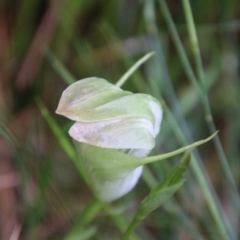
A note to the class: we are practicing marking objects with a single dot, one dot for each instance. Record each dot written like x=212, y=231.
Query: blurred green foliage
x=45, y=45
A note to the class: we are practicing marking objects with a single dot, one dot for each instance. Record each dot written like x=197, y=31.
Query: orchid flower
x=113, y=130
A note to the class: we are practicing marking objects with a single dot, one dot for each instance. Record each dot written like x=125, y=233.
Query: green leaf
x=166, y=189
x=159, y=194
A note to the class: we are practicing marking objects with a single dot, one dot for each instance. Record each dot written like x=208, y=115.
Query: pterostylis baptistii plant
x=113, y=133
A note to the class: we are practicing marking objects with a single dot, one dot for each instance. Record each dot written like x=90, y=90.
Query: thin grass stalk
x=179, y=45
x=197, y=166
x=201, y=174
x=201, y=90
x=63, y=141
x=208, y=114
x=59, y=67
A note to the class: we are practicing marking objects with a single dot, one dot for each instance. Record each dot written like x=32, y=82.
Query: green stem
x=89, y=212
x=130, y=229
x=60, y=136
x=206, y=105
x=122, y=225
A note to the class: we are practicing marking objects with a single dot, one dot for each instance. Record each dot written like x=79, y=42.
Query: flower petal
x=94, y=99
x=108, y=191
x=123, y=133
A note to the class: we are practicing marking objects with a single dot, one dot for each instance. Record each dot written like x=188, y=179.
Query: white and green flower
x=113, y=130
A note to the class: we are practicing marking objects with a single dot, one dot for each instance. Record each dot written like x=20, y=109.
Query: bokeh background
x=45, y=45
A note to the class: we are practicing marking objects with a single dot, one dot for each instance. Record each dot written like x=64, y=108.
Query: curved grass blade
x=125, y=76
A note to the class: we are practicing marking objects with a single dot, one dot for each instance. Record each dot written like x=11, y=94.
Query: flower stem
x=130, y=229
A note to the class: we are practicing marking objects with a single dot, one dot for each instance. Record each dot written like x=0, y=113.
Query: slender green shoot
x=126, y=75
x=59, y=67
x=62, y=139
x=198, y=169
x=88, y=214
x=179, y=46
x=206, y=105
